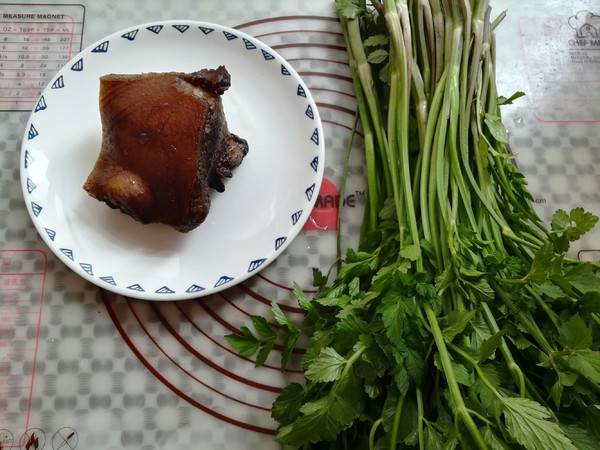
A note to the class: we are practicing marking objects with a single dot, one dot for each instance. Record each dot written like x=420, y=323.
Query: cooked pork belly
x=165, y=144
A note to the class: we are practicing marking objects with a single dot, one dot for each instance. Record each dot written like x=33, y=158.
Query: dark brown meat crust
x=165, y=143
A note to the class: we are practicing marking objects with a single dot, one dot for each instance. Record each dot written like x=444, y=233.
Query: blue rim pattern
x=103, y=48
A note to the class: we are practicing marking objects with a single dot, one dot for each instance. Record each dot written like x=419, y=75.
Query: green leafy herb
x=509, y=101
x=377, y=56
x=531, y=426
x=574, y=224
x=496, y=127
x=349, y=8
x=574, y=335
x=326, y=366
x=460, y=320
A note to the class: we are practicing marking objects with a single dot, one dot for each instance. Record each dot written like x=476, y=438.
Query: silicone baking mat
x=83, y=368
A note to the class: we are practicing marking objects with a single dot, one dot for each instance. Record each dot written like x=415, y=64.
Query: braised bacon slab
x=165, y=144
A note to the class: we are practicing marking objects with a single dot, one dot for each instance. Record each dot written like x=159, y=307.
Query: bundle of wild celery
x=459, y=321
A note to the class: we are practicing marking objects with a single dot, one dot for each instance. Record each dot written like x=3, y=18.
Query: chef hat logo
x=586, y=24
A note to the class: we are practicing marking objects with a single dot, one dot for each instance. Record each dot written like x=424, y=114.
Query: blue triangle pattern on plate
x=256, y=264
x=109, y=279
x=309, y=192
x=59, y=83
x=181, y=29
x=101, y=48
x=68, y=253
x=37, y=209
x=267, y=55
x=206, y=30
x=249, y=45
x=315, y=137
x=30, y=185
x=229, y=36
x=164, y=289
x=51, y=233
x=131, y=35
x=194, y=288
x=301, y=92
x=315, y=163
x=279, y=242
x=309, y=112
x=32, y=132
x=223, y=280
x=284, y=70
x=136, y=287
x=296, y=217
x=87, y=268
x=29, y=160
x=78, y=66
x=155, y=28
x=41, y=104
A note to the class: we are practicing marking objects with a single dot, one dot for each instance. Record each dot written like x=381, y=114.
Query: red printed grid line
x=28, y=388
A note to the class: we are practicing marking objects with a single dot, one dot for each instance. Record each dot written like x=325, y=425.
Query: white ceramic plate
x=264, y=205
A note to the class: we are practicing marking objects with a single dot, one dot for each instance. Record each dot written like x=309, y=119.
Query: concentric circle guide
x=182, y=343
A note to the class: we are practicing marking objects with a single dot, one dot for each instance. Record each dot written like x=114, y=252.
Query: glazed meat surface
x=165, y=144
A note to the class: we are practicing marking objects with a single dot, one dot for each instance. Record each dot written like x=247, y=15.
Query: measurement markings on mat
x=35, y=42
x=22, y=281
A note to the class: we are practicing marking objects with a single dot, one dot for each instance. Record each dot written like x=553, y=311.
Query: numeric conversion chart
x=35, y=42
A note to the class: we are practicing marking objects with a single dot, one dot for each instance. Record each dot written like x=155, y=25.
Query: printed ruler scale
x=22, y=282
